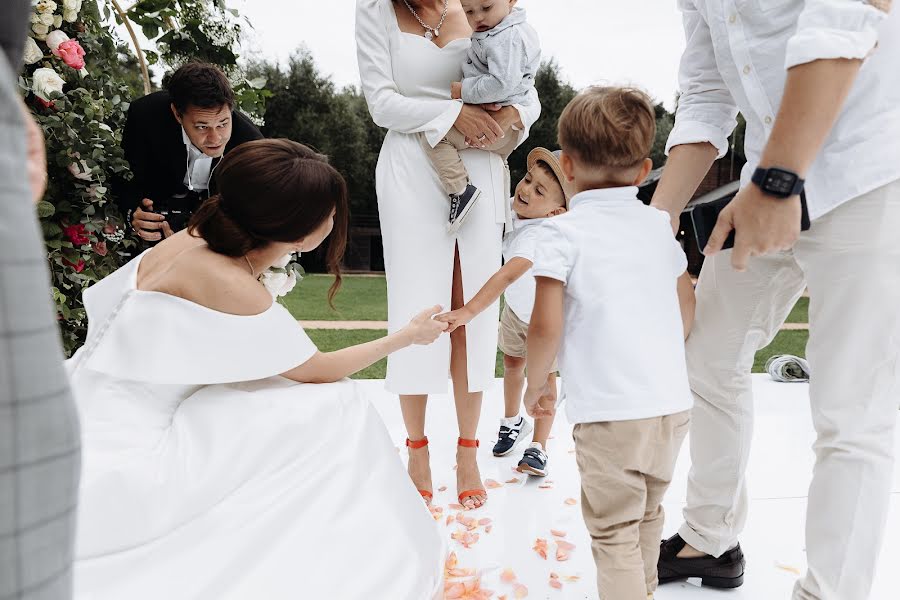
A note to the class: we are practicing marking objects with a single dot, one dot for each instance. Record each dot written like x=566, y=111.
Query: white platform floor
x=779, y=474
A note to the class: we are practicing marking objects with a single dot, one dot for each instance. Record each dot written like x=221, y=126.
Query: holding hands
x=456, y=319
x=424, y=328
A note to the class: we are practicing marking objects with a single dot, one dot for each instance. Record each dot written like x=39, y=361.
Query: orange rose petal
x=520, y=591
x=554, y=575
x=540, y=546
x=449, y=519
x=571, y=501
x=558, y=533
x=565, y=545
x=491, y=484
x=561, y=555
x=555, y=584
x=572, y=578
x=507, y=576
x=484, y=521
x=513, y=480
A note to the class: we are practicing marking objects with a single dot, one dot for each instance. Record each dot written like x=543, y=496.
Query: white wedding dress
x=208, y=476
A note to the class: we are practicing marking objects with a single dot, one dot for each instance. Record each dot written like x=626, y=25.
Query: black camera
x=177, y=210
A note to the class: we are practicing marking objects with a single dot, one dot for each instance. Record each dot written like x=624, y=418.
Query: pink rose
x=71, y=53
x=100, y=248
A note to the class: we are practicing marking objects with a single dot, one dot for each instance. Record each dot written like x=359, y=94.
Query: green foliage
x=306, y=107
x=83, y=124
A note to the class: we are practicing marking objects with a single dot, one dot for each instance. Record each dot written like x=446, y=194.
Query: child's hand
x=456, y=319
x=532, y=402
x=456, y=90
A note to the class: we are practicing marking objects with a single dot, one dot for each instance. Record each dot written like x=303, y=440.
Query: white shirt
x=199, y=166
x=737, y=56
x=622, y=351
x=521, y=242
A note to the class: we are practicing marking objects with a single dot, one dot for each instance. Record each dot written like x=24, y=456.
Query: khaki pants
x=513, y=336
x=850, y=259
x=626, y=467
x=448, y=164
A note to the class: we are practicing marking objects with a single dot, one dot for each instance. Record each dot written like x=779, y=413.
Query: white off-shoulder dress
x=406, y=80
x=209, y=476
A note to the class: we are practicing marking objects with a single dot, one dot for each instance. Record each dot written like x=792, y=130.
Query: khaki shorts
x=513, y=339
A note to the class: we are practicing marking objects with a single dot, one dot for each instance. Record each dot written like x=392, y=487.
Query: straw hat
x=551, y=159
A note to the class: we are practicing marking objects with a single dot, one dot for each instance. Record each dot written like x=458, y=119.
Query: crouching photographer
x=173, y=140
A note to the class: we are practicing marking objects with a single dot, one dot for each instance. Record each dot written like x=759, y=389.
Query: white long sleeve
x=389, y=108
x=830, y=29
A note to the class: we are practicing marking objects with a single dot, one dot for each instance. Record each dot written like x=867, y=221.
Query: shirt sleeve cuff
x=687, y=131
x=830, y=29
x=438, y=128
x=557, y=274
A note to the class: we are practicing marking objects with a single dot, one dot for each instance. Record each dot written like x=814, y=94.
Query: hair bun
x=222, y=233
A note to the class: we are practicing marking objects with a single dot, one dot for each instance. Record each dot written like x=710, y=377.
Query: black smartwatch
x=776, y=182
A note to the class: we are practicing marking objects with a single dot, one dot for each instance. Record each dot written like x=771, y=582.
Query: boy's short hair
x=200, y=84
x=608, y=127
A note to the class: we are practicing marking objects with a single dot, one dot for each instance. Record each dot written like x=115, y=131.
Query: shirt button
x=746, y=69
x=768, y=120
x=732, y=19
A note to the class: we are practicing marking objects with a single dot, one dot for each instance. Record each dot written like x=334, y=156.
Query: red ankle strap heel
x=464, y=443
x=416, y=445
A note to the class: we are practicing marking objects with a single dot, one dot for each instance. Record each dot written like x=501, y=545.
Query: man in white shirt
x=816, y=81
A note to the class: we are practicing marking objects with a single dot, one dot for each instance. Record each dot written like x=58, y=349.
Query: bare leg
x=419, y=467
x=542, y=426
x=468, y=405
x=513, y=384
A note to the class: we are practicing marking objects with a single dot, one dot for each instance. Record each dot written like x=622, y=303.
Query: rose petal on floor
x=558, y=533
x=572, y=578
x=571, y=501
x=443, y=488
x=492, y=484
x=788, y=568
x=540, y=546
x=555, y=584
x=488, y=528
x=507, y=576
x=520, y=591
x=545, y=486
x=513, y=480
x=565, y=545
x=484, y=521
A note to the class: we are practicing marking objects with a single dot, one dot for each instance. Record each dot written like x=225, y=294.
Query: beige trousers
x=449, y=166
x=850, y=260
x=626, y=467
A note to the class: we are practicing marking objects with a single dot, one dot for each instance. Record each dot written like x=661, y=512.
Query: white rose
x=33, y=52
x=289, y=284
x=57, y=21
x=72, y=5
x=80, y=170
x=70, y=16
x=45, y=82
x=55, y=38
x=283, y=261
x=45, y=7
x=35, y=18
x=47, y=19
x=274, y=282
x=40, y=30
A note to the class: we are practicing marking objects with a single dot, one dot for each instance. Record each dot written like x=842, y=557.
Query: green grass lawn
x=786, y=342
x=364, y=298
x=361, y=298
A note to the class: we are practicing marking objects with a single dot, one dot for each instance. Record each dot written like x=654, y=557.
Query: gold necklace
x=430, y=32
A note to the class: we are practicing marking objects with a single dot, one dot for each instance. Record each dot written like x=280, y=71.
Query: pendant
x=437, y=32
x=429, y=36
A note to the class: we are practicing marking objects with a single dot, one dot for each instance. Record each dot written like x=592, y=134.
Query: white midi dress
x=406, y=80
x=207, y=476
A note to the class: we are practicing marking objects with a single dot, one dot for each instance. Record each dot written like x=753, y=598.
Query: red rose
x=100, y=248
x=45, y=103
x=76, y=234
x=79, y=266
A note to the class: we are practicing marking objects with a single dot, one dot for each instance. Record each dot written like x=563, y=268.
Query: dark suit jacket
x=13, y=23
x=154, y=147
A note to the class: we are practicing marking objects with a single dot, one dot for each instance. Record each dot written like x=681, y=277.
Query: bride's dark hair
x=274, y=191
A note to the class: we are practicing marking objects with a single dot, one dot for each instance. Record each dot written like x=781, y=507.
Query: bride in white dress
x=214, y=468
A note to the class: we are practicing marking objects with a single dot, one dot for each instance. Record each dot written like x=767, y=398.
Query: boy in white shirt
x=541, y=194
x=610, y=279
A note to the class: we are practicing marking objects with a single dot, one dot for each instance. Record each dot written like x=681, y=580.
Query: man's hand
x=762, y=225
x=149, y=226
x=456, y=90
x=36, y=158
x=532, y=400
x=456, y=319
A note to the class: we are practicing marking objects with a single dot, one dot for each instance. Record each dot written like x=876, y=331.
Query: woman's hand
x=478, y=125
x=456, y=319
x=507, y=117
x=424, y=329
x=36, y=159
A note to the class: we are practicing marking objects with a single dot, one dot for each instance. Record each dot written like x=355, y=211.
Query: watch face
x=779, y=182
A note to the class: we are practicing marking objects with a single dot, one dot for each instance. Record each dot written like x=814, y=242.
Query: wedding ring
x=482, y=137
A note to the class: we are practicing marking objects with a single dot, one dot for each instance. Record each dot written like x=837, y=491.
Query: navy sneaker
x=534, y=461
x=460, y=207
x=510, y=436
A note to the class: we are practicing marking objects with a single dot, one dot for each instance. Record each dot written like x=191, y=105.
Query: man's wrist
x=778, y=182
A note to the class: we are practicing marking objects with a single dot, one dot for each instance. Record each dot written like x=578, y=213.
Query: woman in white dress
x=213, y=467
x=406, y=77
